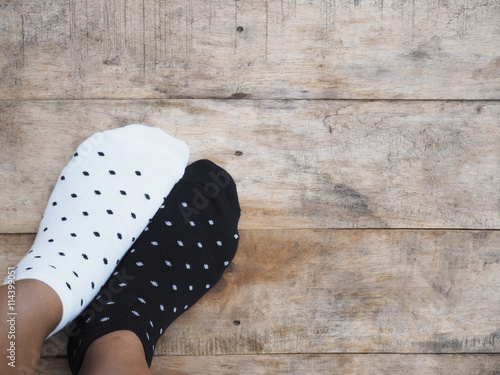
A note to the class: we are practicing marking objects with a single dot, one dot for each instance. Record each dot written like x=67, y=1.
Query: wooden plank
x=339, y=291
x=296, y=364
x=263, y=49
x=297, y=164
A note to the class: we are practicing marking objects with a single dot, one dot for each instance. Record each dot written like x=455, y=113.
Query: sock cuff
x=214, y=178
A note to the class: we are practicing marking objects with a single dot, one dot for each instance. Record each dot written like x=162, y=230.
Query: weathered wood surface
x=314, y=364
x=301, y=164
x=300, y=297
x=339, y=291
x=260, y=49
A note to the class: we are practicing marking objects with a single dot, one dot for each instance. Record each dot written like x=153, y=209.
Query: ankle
x=118, y=352
x=35, y=298
x=38, y=311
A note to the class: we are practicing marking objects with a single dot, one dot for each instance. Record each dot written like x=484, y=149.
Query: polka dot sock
x=180, y=255
x=102, y=201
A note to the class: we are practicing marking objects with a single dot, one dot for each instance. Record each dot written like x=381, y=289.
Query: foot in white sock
x=103, y=199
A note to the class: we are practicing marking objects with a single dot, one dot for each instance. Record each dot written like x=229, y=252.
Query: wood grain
x=356, y=123
x=297, y=164
x=263, y=49
x=339, y=291
x=313, y=364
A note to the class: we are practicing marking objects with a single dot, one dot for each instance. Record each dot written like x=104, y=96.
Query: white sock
x=103, y=199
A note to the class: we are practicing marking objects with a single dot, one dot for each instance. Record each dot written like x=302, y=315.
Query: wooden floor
x=364, y=137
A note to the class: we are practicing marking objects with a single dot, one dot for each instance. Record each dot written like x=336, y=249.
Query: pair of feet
x=120, y=183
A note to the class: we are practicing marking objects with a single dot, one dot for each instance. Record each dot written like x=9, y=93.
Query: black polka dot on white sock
x=170, y=266
x=88, y=219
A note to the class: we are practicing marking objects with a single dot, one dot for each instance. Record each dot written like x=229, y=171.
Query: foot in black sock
x=181, y=254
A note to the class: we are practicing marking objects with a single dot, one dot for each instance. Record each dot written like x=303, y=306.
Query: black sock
x=181, y=254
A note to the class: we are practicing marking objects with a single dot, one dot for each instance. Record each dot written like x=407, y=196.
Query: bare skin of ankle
x=38, y=312
x=116, y=353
